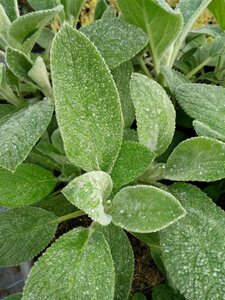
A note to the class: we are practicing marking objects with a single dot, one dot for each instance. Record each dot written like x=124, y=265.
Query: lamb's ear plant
x=97, y=125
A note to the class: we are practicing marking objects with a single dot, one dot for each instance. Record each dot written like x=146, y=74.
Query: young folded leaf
x=26, y=29
x=132, y=161
x=173, y=78
x=123, y=259
x=24, y=233
x=87, y=103
x=205, y=103
x=122, y=76
x=88, y=192
x=157, y=19
x=197, y=159
x=28, y=184
x=11, y=9
x=145, y=209
x=20, y=131
x=155, y=113
x=122, y=41
x=193, y=248
x=78, y=265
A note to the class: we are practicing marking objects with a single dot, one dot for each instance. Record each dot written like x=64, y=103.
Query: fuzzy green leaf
x=20, y=131
x=155, y=113
x=193, y=248
x=43, y=4
x=19, y=64
x=78, y=265
x=24, y=233
x=145, y=209
x=122, y=76
x=217, y=7
x=88, y=192
x=4, y=27
x=123, y=259
x=161, y=23
x=72, y=9
x=26, y=29
x=205, y=103
x=173, y=78
x=28, y=184
x=133, y=160
x=197, y=159
x=121, y=41
x=11, y=9
x=87, y=102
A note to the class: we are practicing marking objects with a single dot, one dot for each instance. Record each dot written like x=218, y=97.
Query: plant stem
x=143, y=67
x=198, y=68
x=73, y=215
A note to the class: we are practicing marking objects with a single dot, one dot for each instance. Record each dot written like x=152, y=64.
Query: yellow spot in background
x=87, y=13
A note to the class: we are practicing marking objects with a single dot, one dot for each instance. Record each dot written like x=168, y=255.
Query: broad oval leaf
x=155, y=113
x=203, y=130
x=205, y=103
x=20, y=131
x=78, y=265
x=162, y=23
x=197, y=159
x=145, y=209
x=24, y=233
x=121, y=42
x=88, y=192
x=133, y=160
x=123, y=259
x=87, y=102
x=27, y=185
x=193, y=248
x=217, y=7
x=11, y=9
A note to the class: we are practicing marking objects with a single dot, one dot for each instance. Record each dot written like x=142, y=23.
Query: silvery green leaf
x=87, y=102
x=24, y=233
x=121, y=41
x=193, y=248
x=122, y=76
x=19, y=64
x=78, y=265
x=205, y=103
x=57, y=141
x=145, y=209
x=133, y=160
x=72, y=9
x=123, y=259
x=217, y=7
x=26, y=29
x=88, y=192
x=20, y=131
x=109, y=13
x=28, y=184
x=11, y=9
x=157, y=19
x=197, y=159
x=4, y=27
x=155, y=113
x=173, y=78
x=43, y=4
x=203, y=130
